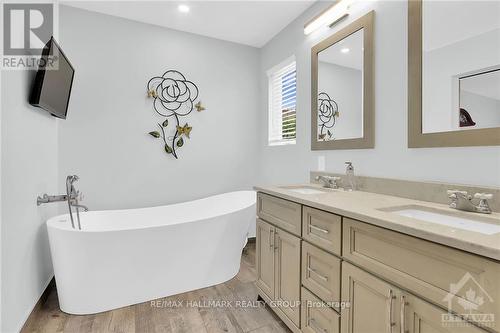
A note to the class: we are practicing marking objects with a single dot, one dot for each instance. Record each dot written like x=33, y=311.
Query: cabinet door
x=265, y=257
x=287, y=275
x=418, y=316
x=373, y=303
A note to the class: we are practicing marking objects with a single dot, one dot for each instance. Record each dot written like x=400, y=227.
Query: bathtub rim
x=56, y=223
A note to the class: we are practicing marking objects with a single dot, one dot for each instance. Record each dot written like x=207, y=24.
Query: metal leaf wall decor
x=174, y=97
x=328, y=111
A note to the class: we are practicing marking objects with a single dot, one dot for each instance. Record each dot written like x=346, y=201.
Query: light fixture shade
x=329, y=16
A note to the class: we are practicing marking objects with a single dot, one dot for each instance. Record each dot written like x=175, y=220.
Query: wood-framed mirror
x=342, y=102
x=453, y=73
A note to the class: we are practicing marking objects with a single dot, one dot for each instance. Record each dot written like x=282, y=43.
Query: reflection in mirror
x=460, y=65
x=340, y=89
x=480, y=100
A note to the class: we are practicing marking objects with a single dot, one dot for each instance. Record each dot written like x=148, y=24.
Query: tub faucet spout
x=82, y=207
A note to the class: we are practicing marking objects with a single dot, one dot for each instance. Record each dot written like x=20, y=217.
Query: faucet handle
x=455, y=192
x=329, y=181
x=483, y=196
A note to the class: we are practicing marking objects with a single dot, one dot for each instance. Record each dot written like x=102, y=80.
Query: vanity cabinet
x=278, y=274
x=391, y=282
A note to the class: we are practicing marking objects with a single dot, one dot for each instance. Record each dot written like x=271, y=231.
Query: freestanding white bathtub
x=125, y=257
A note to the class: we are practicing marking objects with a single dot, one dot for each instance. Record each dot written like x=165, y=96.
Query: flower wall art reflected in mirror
x=173, y=97
x=328, y=112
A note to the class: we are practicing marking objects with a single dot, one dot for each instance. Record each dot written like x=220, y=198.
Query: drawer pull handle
x=324, y=278
x=314, y=325
x=312, y=226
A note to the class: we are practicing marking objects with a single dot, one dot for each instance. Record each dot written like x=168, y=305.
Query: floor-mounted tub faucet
x=72, y=197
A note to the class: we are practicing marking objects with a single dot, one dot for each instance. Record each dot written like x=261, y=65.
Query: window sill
x=281, y=143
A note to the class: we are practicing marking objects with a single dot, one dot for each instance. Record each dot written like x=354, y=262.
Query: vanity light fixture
x=345, y=50
x=183, y=8
x=329, y=17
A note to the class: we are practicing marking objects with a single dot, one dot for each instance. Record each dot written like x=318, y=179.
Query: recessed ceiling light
x=345, y=50
x=183, y=8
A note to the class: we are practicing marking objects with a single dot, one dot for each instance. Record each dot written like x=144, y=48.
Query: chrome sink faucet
x=351, y=181
x=72, y=197
x=329, y=181
x=461, y=200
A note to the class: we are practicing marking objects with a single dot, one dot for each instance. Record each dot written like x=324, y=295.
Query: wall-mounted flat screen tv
x=52, y=87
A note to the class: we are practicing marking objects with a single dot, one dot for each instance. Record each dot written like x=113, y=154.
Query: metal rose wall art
x=174, y=97
x=328, y=111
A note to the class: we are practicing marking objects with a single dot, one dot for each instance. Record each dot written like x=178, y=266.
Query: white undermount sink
x=463, y=223
x=304, y=190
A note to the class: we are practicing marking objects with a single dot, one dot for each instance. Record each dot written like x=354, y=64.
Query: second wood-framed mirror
x=342, y=102
x=453, y=73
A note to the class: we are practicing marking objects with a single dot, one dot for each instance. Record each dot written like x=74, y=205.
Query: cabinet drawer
x=317, y=317
x=321, y=273
x=438, y=273
x=322, y=229
x=282, y=213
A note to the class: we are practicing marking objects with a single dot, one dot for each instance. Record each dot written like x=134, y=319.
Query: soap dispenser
x=351, y=181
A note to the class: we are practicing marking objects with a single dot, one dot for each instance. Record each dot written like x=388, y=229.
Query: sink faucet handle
x=452, y=193
x=329, y=181
x=483, y=206
x=483, y=196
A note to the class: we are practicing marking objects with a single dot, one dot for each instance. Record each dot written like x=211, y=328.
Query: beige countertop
x=369, y=207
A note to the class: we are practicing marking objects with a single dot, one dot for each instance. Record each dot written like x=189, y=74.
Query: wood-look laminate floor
x=144, y=317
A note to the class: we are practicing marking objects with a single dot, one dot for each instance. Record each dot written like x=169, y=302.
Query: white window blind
x=282, y=101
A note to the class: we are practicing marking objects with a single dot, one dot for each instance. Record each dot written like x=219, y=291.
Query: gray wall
x=105, y=141
x=28, y=168
x=391, y=157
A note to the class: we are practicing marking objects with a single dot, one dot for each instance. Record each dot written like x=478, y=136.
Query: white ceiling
x=252, y=23
x=447, y=22
x=351, y=59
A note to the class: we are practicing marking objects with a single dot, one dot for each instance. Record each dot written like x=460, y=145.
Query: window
x=282, y=101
